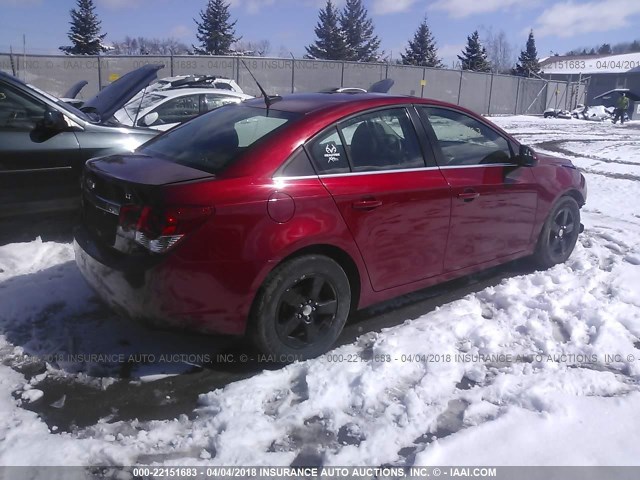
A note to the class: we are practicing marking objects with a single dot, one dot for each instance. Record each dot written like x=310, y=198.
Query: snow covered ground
x=541, y=369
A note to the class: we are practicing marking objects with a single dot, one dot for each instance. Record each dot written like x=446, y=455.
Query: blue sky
x=288, y=24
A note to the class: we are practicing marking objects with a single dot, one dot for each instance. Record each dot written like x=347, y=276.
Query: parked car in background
x=190, y=81
x=44, y=141
x=278, y=219
x=344, y=90
x=164, y=109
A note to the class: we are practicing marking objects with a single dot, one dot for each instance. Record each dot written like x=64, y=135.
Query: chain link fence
x=483, y=93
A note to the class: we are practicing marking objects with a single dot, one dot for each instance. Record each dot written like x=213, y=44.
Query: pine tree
x=362, y=43
x=422, y=49
x=634, y=47
x=215, y=32
x=85, y=31
x=528, y=61
x=474, y=56
x=605, y=49
x=330, y=43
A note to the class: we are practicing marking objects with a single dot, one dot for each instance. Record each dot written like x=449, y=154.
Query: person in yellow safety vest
x=621, y=108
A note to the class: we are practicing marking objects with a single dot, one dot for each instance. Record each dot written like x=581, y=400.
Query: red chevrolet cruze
x=279, y=218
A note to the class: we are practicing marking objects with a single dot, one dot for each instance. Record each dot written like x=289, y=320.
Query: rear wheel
x=559, y=234
x=301, y=308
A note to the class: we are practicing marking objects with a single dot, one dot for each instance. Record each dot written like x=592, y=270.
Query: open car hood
x=619, y=91
x=116, y=95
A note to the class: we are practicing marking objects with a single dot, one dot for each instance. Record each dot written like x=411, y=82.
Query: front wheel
x=559, y=234
x=301, y=308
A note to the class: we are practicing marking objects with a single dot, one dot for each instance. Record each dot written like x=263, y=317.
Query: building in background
x=603, y=73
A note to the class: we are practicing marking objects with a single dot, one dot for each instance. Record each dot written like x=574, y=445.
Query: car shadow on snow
x=93, y=365
x=55, y=227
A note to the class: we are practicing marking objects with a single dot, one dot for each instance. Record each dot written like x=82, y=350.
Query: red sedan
x=280, y=219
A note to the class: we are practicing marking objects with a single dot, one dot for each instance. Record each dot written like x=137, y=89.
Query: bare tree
x=284, y=52
x=256, y=48
x=499, y=51
x=149, y=46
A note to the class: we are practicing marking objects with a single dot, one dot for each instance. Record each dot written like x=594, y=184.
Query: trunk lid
x=144, y=169
x=109, y=183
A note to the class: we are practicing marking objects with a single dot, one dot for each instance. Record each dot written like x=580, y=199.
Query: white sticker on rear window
x=331, y=153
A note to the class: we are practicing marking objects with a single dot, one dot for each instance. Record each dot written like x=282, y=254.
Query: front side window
x=382, y=140
x=19, y=111
x=177, y=110
x=140, y=104
x=464, y=140
x=214, y=140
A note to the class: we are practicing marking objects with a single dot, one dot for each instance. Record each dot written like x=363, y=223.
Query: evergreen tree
x=474, y=56
x=215, y=32
x=634, y=47
x=362, y=43
x=422, y=49
x=528, y=60
x=605, y=49
x=331, y=43
x=85, y=31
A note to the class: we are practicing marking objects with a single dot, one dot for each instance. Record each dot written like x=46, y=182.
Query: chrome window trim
x=399, y=170
x=480, y=165
x=378, y=172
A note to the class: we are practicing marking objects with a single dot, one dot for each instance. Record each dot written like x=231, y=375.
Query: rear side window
x=328, y=154
x=464, y=140
x=298, y=165
x=213, y=141
x=211, y=101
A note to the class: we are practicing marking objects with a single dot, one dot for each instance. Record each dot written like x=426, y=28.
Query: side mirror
x=149, y=119
x=54, y=120
x=526, y=156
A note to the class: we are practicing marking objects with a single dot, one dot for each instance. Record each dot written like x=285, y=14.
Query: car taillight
x=159, y=229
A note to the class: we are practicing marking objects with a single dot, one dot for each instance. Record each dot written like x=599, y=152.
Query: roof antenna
x=268, y=100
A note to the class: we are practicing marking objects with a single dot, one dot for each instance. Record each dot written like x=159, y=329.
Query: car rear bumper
x=158, y=290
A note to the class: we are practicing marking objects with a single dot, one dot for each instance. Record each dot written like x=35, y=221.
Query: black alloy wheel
x=306, y=311
x=559, y=234
x=561, y=240
x=301, y=308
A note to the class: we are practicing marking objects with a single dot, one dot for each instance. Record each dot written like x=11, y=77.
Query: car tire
x=300, y=309
x=559, y=234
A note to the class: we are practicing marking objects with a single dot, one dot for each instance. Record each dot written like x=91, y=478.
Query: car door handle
x=468, y=195
x=366, y=204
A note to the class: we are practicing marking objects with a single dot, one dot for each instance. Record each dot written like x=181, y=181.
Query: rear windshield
x=213, y=141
